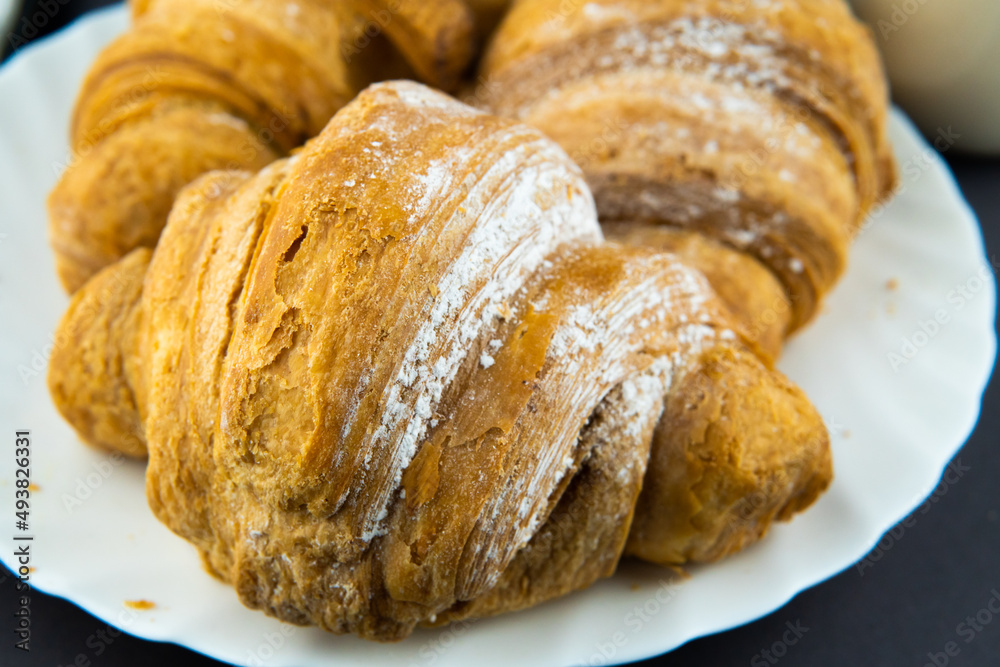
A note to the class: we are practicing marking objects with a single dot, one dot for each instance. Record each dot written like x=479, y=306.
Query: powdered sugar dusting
x=512, y=235
x=590, y=353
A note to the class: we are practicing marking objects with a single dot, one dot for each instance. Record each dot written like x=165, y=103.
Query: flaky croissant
x=197, y=85
x=399, y=379
x=758, y=126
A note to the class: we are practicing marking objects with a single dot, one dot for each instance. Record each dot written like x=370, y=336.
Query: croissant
x=197, y=85
x=748, y=137
x=400, y=379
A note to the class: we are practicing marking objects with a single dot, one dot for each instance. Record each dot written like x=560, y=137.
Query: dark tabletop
x=917, y=605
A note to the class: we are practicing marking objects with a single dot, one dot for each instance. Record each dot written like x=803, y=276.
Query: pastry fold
x=761, y=126
x=198, y=85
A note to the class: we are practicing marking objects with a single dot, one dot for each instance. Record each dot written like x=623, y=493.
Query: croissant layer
x=199, y=85
x=761, y=125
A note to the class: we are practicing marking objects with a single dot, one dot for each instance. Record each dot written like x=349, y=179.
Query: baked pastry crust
x=761, y=125
x=400, y=379
x=195, y=85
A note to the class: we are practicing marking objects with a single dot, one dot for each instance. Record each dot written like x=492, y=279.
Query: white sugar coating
x=511, y=237
x=355, y=404
x=418, y=96
x=727, y=195
x=584, y=331
x=589, y=352
x=514, y=219
x=724, y=72
x=599, y=12
x=742, y=114
x=742, y=238
x=715, y=42
x=693, y=335
x=229, y=120
x=780, y=144
x=434, y=182
x=642, y=398
x=795, y=264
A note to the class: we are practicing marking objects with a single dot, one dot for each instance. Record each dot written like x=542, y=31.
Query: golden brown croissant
x=197, y=85
x=757, y=125
x=399, y=379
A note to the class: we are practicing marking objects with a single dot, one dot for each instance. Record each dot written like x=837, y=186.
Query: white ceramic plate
x=894, y=430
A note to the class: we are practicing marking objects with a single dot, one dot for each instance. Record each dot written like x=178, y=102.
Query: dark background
x=942, y=569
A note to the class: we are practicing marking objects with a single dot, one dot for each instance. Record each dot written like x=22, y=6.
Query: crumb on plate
x=143, y=605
